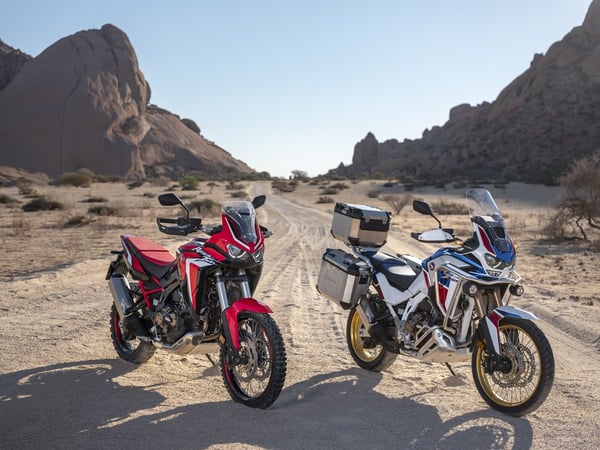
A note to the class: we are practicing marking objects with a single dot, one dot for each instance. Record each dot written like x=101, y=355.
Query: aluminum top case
x=360, y=225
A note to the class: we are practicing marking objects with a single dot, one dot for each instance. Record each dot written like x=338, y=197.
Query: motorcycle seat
x=153, y=258
x=398, y=273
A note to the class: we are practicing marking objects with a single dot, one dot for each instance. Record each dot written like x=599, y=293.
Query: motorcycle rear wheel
x=126, y=344
x=365, y=351
x=256, y=380
x=524, y=387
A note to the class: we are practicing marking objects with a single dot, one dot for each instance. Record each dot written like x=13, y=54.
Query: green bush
x=189, y=183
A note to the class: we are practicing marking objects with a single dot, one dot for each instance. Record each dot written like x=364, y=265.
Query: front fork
x=230, y=313
x=489, y=332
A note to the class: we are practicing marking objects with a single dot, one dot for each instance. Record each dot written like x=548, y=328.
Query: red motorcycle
x=200, y=301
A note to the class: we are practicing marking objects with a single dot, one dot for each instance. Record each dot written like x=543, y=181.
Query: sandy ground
x=63, y=386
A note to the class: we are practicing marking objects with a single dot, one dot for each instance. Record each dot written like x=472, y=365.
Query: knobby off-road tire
x=126, y=344
x=528, y=379
x=257, y=380
x=365, y=350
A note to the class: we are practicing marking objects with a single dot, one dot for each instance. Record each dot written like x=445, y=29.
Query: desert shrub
x=554, y=227
x=78, y=221
x=325, y=200
x=94, y=200
x=26, y=189
x=205, y=206
x=20, y=226
x=42, y=203
x=238, y=194
x=373, y=193
x=397, y=201
x=7, y=200
x=81, y=178
x=339, y=186
x=189, y=183
x=103, y=210
x=330, y=191
x=283, y=185
x=580, y=203
x=135, y=184
x=232, y=185
x=253, y=176
x=444, y=207
x=148, y=194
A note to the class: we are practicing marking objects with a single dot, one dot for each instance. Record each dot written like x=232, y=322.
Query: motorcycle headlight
x=258, y=255
x=235, y=252
x=491, y=260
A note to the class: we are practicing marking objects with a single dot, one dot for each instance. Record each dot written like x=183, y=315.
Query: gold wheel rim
x=518, y=385
x=357, y=333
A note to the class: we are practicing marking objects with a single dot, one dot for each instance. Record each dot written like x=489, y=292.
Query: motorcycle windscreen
x=243, y=215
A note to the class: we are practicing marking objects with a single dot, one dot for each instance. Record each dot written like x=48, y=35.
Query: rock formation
x=84, y=103
x=545, y=119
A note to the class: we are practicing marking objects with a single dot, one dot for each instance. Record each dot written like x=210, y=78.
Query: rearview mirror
x=422, y=207
x=169, y=199
x=258, y=201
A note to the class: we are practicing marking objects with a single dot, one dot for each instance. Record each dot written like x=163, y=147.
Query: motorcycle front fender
x=230, y=318
x=489, y=327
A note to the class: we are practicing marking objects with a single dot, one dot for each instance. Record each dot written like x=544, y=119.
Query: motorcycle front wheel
x=126, y=344
x=366, y=351
x=523, y=380
x=256, y=378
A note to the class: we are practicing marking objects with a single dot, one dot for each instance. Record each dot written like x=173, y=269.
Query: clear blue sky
x=287, y=85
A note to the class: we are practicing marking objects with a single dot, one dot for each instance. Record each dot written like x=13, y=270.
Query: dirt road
x=62, y=385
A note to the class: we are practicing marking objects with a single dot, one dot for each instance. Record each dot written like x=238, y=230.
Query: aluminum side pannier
x=343, y=278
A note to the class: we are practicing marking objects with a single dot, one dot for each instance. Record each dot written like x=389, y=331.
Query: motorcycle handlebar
x=184, y=225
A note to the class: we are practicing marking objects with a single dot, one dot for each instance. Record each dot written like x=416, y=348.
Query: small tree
x=397, y=202
x=581, y=200
x=299, y=175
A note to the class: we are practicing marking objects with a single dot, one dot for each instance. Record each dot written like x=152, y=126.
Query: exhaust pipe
x=119, y=288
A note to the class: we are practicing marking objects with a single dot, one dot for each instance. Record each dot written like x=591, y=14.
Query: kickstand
x=450, y=369
x=211, y=360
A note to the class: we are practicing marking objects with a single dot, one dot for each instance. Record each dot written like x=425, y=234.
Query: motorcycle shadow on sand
x=79, y=405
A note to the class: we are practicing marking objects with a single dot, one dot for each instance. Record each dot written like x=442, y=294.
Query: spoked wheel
x=126, y=344
x=257, y=376
x=366, y=351
x=520, y=382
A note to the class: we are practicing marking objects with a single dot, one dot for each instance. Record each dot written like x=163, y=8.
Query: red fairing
x=231, y=313
x=227, y=236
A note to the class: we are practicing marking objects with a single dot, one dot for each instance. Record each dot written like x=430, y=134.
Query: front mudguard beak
x=229, y=319
x=489, y=326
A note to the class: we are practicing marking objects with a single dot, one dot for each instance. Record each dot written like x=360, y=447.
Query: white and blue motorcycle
x=450, y=307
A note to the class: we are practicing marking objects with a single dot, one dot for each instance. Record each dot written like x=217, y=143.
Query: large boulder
x=538, y=125
x=83, y=103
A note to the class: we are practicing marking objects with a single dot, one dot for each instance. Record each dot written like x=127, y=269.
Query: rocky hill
x=547, y=117
x=84, y=103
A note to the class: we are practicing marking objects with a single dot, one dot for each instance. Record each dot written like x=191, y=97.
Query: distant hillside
x=546, y=118
x=84, y=103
